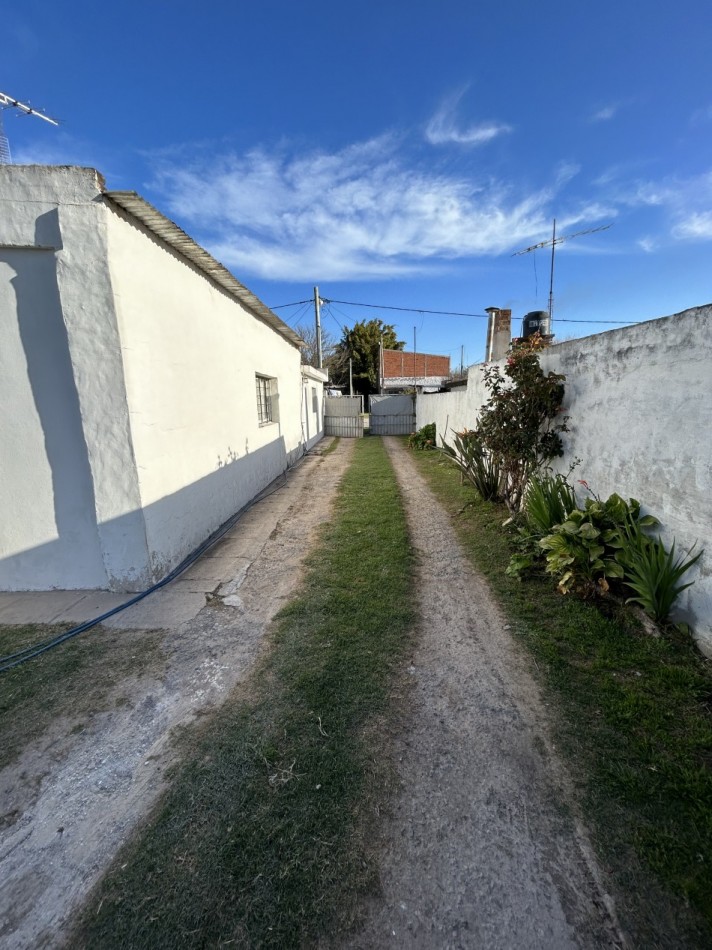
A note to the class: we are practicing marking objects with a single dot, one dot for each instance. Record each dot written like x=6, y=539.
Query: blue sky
x=397, y=152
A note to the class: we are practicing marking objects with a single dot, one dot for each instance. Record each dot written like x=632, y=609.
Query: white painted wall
x=128, y=377
x=640, y=402
x=190, y=353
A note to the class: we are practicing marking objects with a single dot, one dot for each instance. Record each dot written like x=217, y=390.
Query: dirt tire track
x=480, y=850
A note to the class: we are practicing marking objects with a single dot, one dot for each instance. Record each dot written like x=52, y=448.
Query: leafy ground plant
x=261, y=840
x=632, y=715
x=424, y=438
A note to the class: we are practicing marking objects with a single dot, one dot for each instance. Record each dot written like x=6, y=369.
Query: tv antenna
x=553, y=242
x=8, y=102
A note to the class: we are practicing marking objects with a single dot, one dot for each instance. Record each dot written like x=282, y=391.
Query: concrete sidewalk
x=219, y=572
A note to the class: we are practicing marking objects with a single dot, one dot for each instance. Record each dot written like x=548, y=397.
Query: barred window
x=266, y=389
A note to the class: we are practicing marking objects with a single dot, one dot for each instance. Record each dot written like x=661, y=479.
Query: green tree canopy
x=361, y=344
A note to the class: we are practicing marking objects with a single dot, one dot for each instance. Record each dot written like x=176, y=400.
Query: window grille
x=264, y=399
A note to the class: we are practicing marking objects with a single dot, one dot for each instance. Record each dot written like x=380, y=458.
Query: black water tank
x=536, y=321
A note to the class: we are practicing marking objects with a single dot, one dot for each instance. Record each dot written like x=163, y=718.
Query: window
x=266, y=391
x=315, y=401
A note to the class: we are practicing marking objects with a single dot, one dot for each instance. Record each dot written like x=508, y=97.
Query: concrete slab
x=210, y=573
x=38, y=606
x=93, y=604
x=166, y=608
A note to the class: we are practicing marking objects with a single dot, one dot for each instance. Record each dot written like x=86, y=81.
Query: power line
x=376, y=306
x=295, y=304
x=458, y=313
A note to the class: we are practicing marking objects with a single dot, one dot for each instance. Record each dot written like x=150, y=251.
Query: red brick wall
x=397, y=363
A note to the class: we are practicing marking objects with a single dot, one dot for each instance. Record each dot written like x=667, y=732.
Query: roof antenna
x=7, y=102
x=553, y=242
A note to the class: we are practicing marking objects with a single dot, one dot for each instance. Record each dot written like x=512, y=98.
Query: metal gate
x=343, y=416
x=392, y=415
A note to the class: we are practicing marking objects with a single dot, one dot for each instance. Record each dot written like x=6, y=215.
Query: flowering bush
x=517, y=426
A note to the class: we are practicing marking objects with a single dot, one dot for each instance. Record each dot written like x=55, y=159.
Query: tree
x=361, y=344
x=310, y=351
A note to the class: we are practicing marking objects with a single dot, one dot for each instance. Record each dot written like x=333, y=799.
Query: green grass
x=263, y=838
x=70, y=683
x=633, y=719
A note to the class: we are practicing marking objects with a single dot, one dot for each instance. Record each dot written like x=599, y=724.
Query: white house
x=147, y=395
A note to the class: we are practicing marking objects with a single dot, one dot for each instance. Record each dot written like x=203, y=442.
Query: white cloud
x=357, y=213
x=696, y=226
x=443, y=129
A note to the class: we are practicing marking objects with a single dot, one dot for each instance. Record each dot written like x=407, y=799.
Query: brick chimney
x=499, y=333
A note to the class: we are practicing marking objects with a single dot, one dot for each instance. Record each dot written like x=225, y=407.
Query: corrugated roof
x=168, y=231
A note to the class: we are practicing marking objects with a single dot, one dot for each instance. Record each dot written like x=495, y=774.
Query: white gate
x=392, y=415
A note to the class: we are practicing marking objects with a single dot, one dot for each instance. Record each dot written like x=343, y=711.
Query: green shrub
x=424, y=438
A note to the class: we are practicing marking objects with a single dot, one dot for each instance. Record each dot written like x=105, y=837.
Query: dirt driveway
x=75, y=795
x=481, y=850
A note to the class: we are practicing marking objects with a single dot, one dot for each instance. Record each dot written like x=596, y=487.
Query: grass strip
x=633, y=718
x=261, y=839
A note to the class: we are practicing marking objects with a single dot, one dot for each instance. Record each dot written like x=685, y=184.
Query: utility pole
x=462, y=359
x=554, y=241
x=317, y=315
x=415, y=361
x=351, y=377
x=380, y=365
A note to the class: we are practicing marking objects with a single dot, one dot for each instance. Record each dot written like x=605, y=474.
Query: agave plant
x=475, y=463
x=549, y=501
x=653, y=573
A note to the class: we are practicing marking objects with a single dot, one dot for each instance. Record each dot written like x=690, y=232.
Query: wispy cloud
x=357, y=213
x=443, y=127
x=605, y=113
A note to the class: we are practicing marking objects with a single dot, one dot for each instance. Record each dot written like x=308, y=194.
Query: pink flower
x=584, y=483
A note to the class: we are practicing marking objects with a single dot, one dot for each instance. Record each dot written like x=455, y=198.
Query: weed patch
x=633, y=720
x=261, y=839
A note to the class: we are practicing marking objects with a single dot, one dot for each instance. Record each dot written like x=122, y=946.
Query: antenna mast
x=8, y=102
x=553, y=242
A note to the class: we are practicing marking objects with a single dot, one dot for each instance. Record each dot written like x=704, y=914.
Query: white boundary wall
x=640, y=402
x=127, y=379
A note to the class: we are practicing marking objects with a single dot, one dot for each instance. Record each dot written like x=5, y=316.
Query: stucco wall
x=190, y=354
x=640, y=402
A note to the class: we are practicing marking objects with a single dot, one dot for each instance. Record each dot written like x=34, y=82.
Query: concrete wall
x=640, y=402
x=127, y=377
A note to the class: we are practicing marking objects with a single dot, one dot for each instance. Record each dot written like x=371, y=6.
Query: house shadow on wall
x=174, y=526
